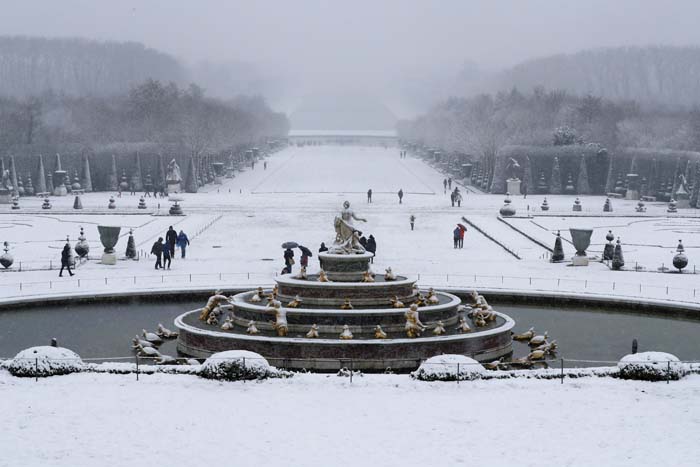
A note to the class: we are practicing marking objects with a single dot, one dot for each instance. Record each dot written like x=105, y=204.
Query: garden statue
x=396, y=303
x=346, y=305
x=252, y=329
x=257, y=296
x=347, y=239
x=346, y=334
x=463, y=326
x=214, y=302
x=379, y=332
x=313, y=332
x=413, y=324
x=280, y=324
x=439, y=329
x=389, y=275
x=173, y=178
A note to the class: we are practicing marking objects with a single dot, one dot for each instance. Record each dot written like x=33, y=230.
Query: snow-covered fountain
x=345, y=315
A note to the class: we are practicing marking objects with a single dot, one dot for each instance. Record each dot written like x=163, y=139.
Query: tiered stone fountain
x=346, y=316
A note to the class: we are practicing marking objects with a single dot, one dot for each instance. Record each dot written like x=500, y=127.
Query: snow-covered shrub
x=45, y=361
x=651, y=366
x=449, y=368
x=235, y=365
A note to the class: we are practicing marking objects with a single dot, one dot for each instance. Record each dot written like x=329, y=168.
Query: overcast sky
x=367, y=43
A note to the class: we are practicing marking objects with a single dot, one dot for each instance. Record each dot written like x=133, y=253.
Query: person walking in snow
x=400, y=195
x=65, y=260
x=167, y=257
x=456, y=233
x=452, y=198
x=449, y=182
x=457, y=197
x=265, y=165
x=371, y=247
x=157, y=249
x=183, y=242
x=413, y=220
x=171, y=240
x=462, y=230
x=369, y=195
x=444, y=184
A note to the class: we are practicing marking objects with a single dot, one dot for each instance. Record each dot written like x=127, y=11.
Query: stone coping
x=506, y=326
x=287, y=280
x=238, y=301
x=336, y=257
x=651, y=306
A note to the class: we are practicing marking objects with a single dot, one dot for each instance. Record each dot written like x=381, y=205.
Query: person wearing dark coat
x=157, y=249
x=456, y=235
x=171, y=240
x=288, y=260
x=371, y=247
x=369, y=195
x=167, y=257
x=400, y=195
x=363, y=242
x=65, y=260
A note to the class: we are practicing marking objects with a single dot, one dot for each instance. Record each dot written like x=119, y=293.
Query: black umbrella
x=305, y=250
x=290, y=245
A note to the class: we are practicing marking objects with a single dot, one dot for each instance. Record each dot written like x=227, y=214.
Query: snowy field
x=236, y=230
x=86, y=420
x=385, y=420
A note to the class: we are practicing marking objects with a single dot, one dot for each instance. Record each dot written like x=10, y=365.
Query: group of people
x=402, y=154
x=164, y=252
x=447, y=182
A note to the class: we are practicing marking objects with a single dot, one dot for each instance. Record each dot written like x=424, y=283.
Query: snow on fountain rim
x=506, y=326
x=287, y=280
x=454, y=301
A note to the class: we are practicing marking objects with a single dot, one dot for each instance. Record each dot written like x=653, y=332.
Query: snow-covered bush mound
x=235, y=365
x=45, y=361
x=651, y=366
x=449, y=368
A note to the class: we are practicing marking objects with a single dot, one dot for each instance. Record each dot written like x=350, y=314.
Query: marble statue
x=439, y=329
x=228, y=324
x=257, y=296
x=346, y=305
x=294, y=303
x=367, y=277
x=432, y=298
x=396, y=303
x=346, y=334
x=389, y=275
x=379, y=332
x=313, y=332
x=173, y=172
x=413, y=324
x=513, y=169
x=252, y=329
x=302, y=274
x=6, y=183
x=280, y=323
x=347, y=237
x=322, y=277
x=463, y=326
x=214, y=301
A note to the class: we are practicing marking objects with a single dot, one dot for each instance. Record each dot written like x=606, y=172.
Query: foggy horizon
x=386, y=51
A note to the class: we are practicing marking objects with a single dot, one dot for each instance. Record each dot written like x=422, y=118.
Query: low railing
x=173, y=280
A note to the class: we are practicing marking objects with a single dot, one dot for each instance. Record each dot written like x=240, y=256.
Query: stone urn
x=109, y=235
x=680, y=260
x=581, y=238
x=82, y=248
x=6, y=258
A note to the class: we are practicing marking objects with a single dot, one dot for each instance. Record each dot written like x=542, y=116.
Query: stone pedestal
x=109, y=258
x=59, y=179
x=579, y=261
x=682, y=203
x=5, y=196
x=513, y=186
x=345, y=268
x=173, y=187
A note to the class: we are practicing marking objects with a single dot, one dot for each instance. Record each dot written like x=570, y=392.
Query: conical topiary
x=13, y=174
x=558, y=252
x=609, y=249
x=618, y=260
x=86, y=180
x=607, y=207
x=555, y=180
x=191, y=184
x=582, y=185
x=77, y=204
x=610, y=180
x=112, y=182
x=131, y=245
x=41, y=177
x=528, y=183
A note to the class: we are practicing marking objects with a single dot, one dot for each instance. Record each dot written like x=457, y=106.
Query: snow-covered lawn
x=319, y=420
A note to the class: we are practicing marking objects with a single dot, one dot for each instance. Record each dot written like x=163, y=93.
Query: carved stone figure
x=379, y=332
x=280, y=323
x=347, y=237
x=173, y=175
x=413, y=324
x=389, y=275
x=346, y=334
x=313, y=332
x=213, y=302
x=252, y=329
x=439, y=329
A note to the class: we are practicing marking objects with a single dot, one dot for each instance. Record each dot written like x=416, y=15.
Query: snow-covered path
x=253, y=217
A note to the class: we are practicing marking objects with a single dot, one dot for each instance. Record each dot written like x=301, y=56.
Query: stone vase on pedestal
x=109, y=236
x=581, y=238
x=513, y=186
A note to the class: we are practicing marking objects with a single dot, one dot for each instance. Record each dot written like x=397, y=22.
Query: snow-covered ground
x=84, y=420
x=236, y=230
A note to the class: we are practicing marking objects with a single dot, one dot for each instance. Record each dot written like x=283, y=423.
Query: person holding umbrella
x=462, y=230
x=288, y=256
x=305, y=255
